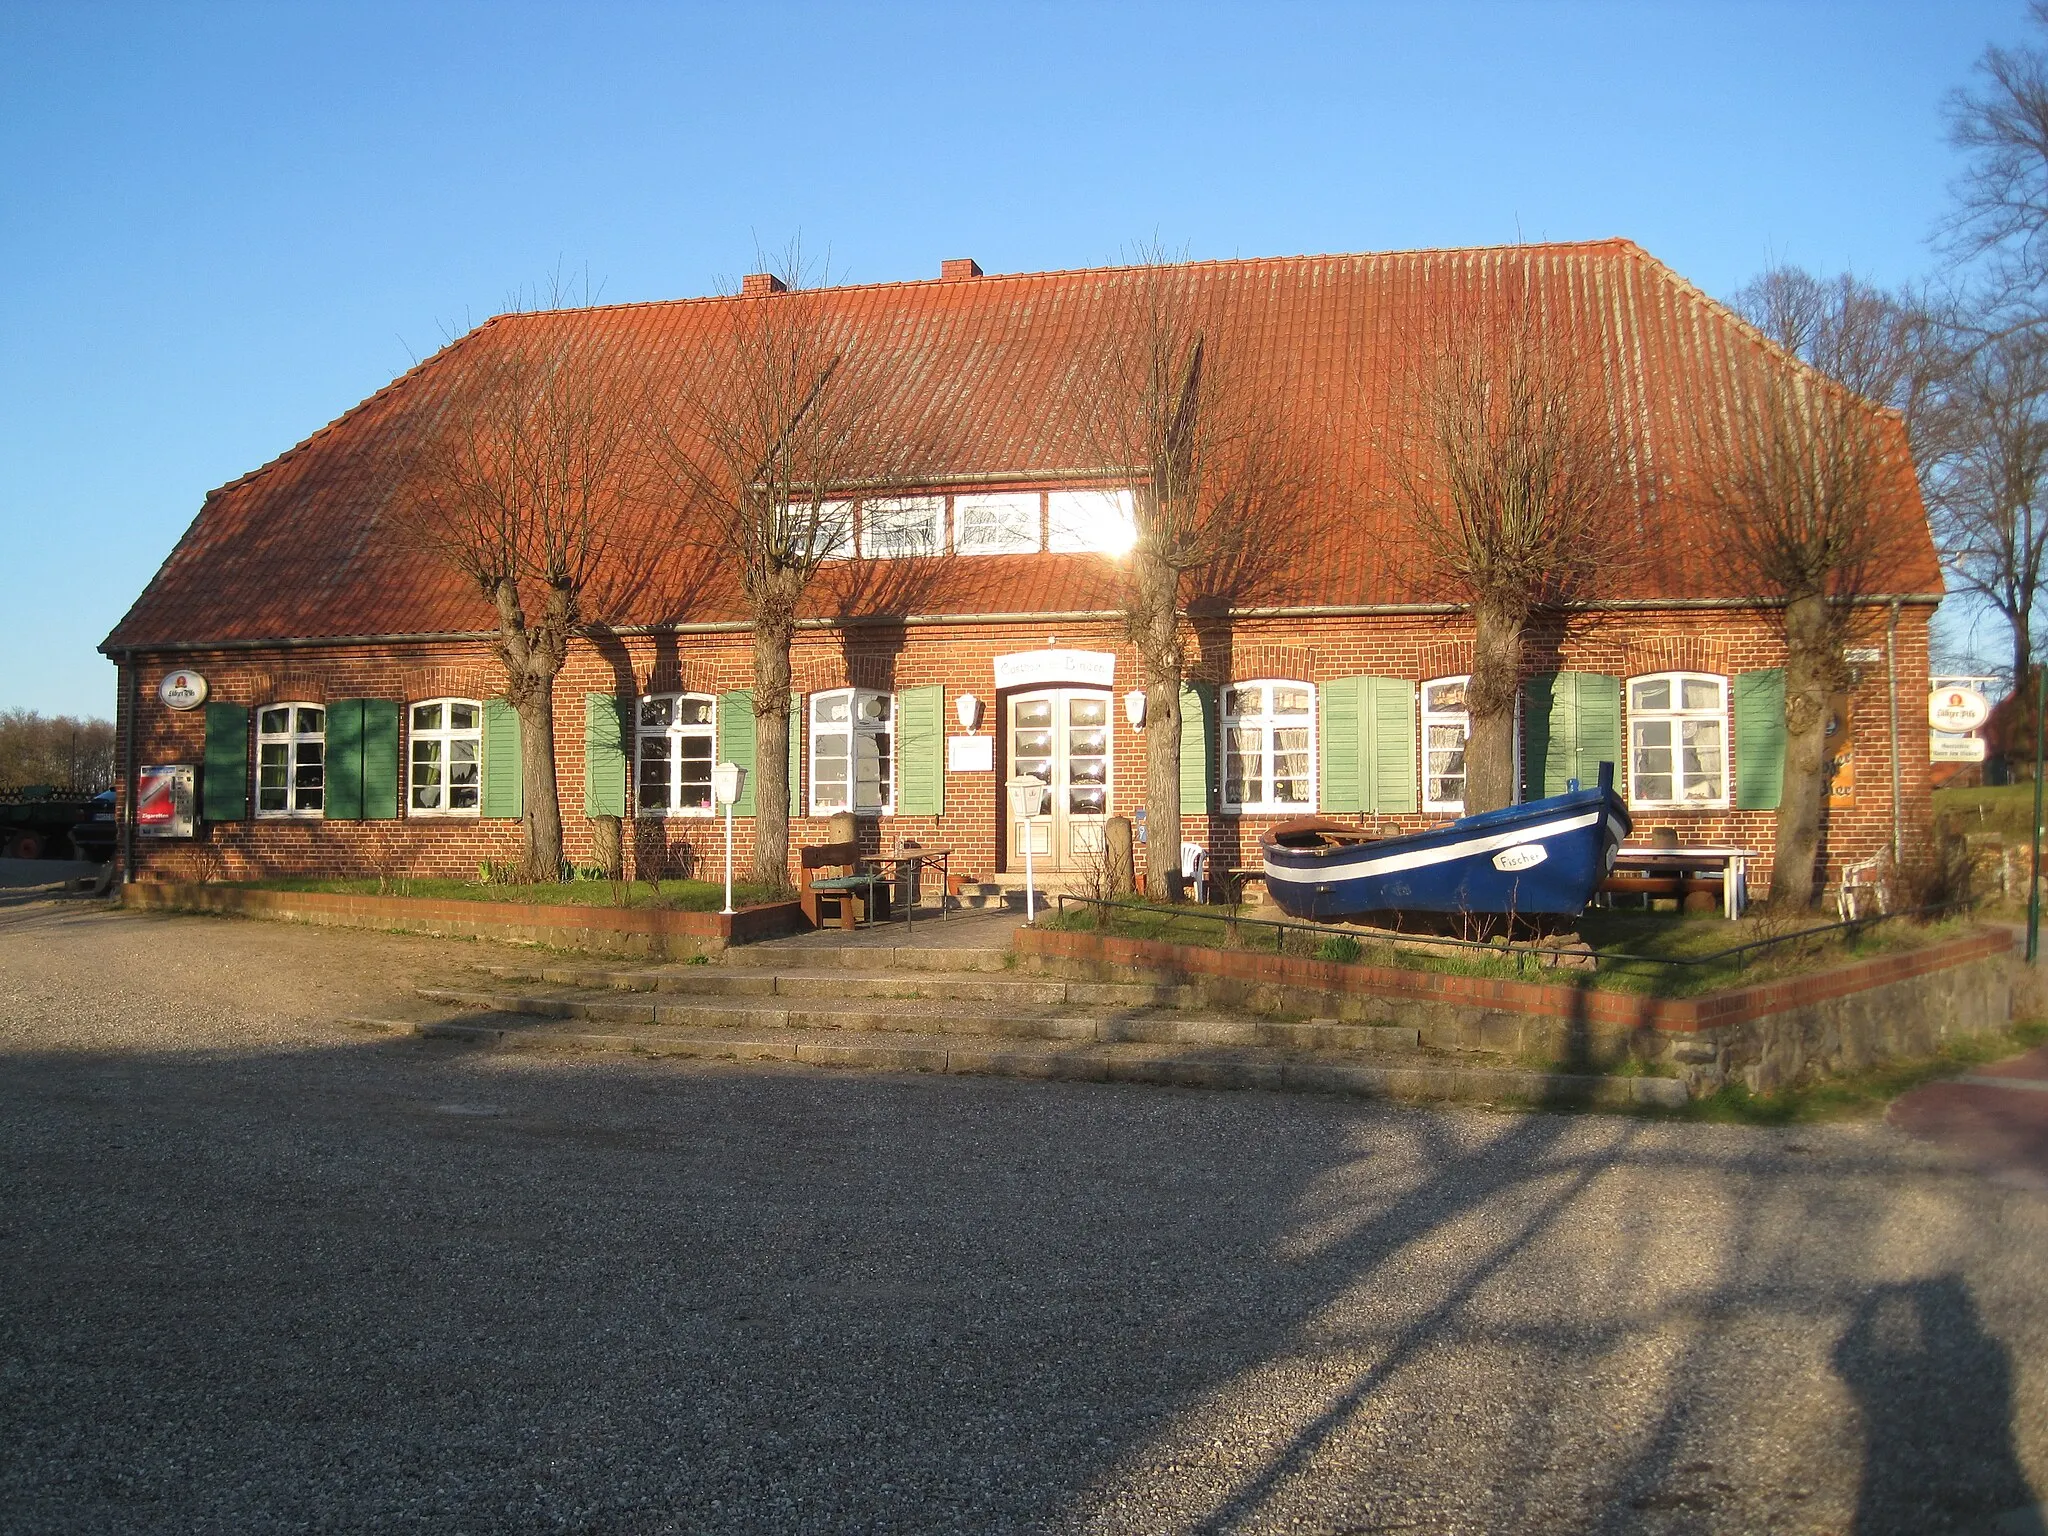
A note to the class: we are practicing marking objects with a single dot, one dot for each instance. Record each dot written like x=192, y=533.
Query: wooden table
x=911, y=861
x=1730, y=863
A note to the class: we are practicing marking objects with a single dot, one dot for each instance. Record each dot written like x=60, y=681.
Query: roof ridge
x=1620, y=243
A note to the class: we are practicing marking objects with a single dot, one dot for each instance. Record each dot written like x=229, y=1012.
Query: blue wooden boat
x=1543, y=859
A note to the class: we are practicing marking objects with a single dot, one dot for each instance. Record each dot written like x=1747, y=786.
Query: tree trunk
x=1491, y=769
x=1810, y=668
x=772, y=637
x=536, y=707
x=1157, y=632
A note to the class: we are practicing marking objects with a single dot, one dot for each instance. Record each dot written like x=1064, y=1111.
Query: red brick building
x=352, y=722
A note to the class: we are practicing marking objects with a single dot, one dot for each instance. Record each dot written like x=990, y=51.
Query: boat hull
x=1542, y=859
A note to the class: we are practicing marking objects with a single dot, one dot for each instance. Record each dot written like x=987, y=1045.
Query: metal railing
x=1233, y=922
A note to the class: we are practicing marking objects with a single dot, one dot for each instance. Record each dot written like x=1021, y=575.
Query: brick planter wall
x=606, y=930
x=1771, y=1034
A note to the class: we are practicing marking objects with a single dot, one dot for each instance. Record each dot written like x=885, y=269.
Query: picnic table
x=1636, y=872
x=903, y=872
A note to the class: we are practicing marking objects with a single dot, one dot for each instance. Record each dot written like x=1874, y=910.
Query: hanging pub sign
x=182, y=690
x=1956, y=710
x=163, y=800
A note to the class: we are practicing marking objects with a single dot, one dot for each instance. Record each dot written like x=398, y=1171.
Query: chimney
x=758, y=285
x=959, y=270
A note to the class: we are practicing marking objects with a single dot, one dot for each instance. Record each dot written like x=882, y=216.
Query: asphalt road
x=258, y=1273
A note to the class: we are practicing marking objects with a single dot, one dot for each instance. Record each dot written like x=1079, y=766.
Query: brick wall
x=962, y=658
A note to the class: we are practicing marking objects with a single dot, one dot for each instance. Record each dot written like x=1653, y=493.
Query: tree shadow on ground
x=403, y=1284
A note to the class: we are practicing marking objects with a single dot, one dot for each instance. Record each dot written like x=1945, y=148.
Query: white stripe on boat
x=1332, y=873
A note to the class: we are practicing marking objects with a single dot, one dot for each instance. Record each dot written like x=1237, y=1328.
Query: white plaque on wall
x=970, y=754
x=1024, y=669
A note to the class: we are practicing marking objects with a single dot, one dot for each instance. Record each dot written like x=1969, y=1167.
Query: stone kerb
x=1769, y=1034
x=652, y=933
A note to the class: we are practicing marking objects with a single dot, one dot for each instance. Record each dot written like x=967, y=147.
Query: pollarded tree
x=1508, y=473
x=1174, y=401
x=781, y=416
x=1794, y=476
x=530, y=460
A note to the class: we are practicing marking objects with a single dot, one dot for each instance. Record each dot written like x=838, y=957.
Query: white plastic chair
x=1194, y=869
x=1859, y=880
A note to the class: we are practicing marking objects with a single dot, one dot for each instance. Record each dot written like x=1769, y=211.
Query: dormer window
x=891, y=530
x=1090, y=522
x=1000, y=523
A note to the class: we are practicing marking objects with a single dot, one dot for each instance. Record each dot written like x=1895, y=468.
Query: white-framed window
x=1269, y=747
x=1677, y=740
x=447, y=757
x=1445, y=725
x=291, y=760
x=999, y=523
x=1090, y=522
x=853, y=757
x=915, y=525
x=676, y=744
x=827, y=527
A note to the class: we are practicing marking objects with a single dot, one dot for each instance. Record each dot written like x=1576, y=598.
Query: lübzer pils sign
x=182, y=690
x=1957, y=709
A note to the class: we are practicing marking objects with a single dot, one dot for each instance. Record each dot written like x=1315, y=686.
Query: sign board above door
x=1026, y=669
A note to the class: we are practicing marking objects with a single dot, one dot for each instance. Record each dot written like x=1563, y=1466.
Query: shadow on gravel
x=406, y=1286
x=1934, y=1392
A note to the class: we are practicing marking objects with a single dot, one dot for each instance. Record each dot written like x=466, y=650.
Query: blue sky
x=227, y=224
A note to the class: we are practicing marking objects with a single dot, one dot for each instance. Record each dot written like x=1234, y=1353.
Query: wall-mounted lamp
x=968, y=708
x=1134, y=708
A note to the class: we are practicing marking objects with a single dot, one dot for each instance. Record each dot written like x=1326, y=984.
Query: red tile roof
x=307, y=545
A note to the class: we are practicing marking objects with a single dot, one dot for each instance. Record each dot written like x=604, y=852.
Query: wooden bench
x=1648, y=886
x=849, y=893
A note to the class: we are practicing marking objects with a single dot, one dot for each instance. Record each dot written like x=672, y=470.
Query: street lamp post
x=727, y=780
x=1027, y=799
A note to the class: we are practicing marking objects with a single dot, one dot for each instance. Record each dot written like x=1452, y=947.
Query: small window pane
x=830, y=708
x=657, y=712
x=1655, y=693
x=276, y=722
x=693, y=711
x=464, y=717
x=1702, y=693
x=1035, y=712
x=1087, y=711
x=1244, y=701
x=312, y=721
x=426, y=717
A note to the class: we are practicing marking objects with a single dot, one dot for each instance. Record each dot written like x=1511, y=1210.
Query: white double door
x=1061, y=737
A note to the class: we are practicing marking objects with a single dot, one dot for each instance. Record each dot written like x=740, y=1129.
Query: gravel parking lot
x=261, y=1273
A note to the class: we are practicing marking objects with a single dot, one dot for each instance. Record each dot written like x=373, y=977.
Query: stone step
x=1414, y=1078
x=720, y=981
x=925, y=1015
x=811, y=953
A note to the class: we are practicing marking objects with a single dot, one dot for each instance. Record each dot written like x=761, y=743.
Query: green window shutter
x=921, y=749
x=504, y=774
x=344, y=759
x=1599, y=705
x=380, y=759
x=1759, y=739
x=796, y=754
x=1388, y=774
x=1341, y=745
x=604, y=755
x=1197, y=748
x=1571, y=724
x=224, y=783
x=736, y=741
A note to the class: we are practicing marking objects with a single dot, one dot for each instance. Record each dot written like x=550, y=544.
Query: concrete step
x=812, y=953
x=809, y=982
x=1415, y=1077
x=934, y=1017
